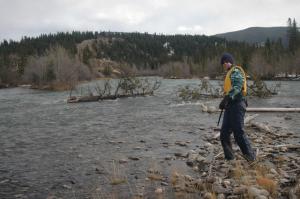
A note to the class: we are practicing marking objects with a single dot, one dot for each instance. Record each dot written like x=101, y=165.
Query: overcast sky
x=33, y=17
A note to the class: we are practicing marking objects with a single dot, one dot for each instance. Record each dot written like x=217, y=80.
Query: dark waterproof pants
x=233, y=121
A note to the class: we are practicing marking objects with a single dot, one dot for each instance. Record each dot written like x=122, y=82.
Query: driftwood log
x=273, y=109
x=95, y=98
x=211, y=109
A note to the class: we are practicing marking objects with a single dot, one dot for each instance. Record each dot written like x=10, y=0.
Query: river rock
x=208, y=195
x=180, y=143
x=226, y=183
x=133, y=158
x=180, y=155
x=240, y=190
x=159, y=191
x=221, y=196
x=219, y=189
x=257, y=193
x=168, y=158
x=67, y=186
x=164, y=183
x=273, y=171
x=123, y=161
x=195, y=159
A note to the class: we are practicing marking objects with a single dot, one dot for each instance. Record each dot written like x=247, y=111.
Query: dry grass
x=268, y=184
x=238, y=171
x=155, y=174
x=262, y=170
x=117, y=177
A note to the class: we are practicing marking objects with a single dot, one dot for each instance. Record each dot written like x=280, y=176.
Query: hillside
x=257, y=34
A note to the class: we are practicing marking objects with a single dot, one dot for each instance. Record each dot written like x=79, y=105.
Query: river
x=49, y=148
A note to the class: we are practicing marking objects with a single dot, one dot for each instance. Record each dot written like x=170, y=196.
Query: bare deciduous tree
x=56, y=67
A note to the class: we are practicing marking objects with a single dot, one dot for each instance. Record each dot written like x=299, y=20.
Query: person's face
x=227, y=65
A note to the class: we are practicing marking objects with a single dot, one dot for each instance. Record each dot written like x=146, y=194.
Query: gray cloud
x=33, y=17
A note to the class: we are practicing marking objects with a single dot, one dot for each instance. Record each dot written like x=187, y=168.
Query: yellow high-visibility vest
x=227, y=81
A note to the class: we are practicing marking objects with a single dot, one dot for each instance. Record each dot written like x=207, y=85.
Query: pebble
x=255, y=192
x=226, y=183
x=273, y=171
x=208, y=195
x=221, y=196
x=158, y=191
x=240, y=190
x=122, y=161
x=180, y=143
x=133, y=158
x=164, y=183
x=67, y=186
x=180, y=155
x=168, y=158
x=219, y=189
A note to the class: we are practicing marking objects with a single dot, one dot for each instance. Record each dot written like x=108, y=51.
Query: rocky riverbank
x=275, y=174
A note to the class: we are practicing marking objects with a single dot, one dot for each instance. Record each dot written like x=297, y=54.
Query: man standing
x=234, y=103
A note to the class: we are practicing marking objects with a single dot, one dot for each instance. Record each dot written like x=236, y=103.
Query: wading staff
x=220, y=116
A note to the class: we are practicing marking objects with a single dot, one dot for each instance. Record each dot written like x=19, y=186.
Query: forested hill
x=105, y=52
x=68, y=57
x=257, y=35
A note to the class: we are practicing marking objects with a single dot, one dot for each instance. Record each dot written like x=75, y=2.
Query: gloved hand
x=224, y=103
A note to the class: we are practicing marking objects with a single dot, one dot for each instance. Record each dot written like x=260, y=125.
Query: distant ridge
x=256, y=34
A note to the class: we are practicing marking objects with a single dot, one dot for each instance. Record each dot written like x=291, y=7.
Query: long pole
x=220, y=116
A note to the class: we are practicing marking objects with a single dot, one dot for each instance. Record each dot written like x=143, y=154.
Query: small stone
x=195, y=168
x=273, y=171
x=261, y=197
x=200, y=158
x=264, y=192
x=99, y=171
x=180, y=143
x=164, y=183
x=207, y=144
x=4, y=181
x=253, y=191
x=256, y=193
x=180, y=155
x=67, y=186
x=219, y=189
x=221, y=196
x=226, y=183
x=168, y=158
x=211, y=180
x=287, y=118
x=239, y=190
x=207, y=195
x=19, y=195
x=158, y=191
x=133, y=158
x=123, y=161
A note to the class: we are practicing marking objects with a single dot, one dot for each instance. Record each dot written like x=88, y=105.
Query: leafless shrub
x=204, y=89
x=55, y=67
x=124, y=87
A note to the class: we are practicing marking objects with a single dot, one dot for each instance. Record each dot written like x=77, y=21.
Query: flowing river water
x=49, y=148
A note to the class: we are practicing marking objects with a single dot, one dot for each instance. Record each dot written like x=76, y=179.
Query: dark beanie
x=226, y=57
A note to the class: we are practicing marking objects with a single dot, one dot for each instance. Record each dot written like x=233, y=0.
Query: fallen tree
x=205, y=89
x=125, y=87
